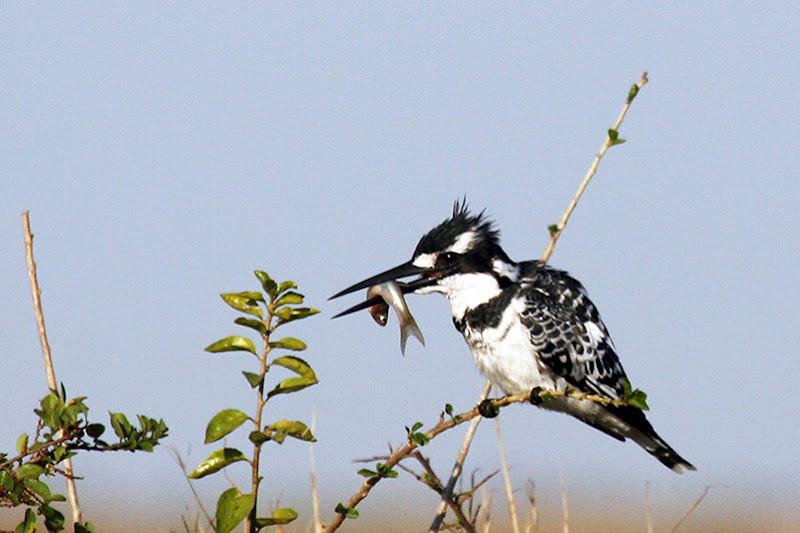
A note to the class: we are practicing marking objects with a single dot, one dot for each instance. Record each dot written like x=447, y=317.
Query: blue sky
x=167, y=152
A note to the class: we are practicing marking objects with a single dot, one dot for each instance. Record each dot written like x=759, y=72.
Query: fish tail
x=410, y=327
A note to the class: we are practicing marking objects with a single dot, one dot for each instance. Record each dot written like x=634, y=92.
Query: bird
x=530, y=327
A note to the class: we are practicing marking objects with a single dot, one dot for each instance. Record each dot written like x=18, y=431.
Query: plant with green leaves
x=265, y=312
x=63, y=429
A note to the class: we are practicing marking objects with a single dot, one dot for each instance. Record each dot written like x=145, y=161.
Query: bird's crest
x=479, y=227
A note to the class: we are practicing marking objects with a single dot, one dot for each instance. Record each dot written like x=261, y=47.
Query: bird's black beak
x=393, y=274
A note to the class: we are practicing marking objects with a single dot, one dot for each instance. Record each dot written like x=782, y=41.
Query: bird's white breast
x=505, y=355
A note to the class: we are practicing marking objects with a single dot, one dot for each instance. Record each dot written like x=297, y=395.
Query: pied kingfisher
x=529, y=326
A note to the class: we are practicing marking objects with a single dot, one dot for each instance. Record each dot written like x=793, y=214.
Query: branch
x=72, y=493
x=693, y=507
x=512, y=508
x=445, y=424
x=611, y=139
x=462, y=455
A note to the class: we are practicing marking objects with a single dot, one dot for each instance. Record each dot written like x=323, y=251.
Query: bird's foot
x=488, y=409
x=536, y=398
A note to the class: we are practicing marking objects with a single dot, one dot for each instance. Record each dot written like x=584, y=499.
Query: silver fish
x=392, y=295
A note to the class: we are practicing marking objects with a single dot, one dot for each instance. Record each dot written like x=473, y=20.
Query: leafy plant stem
x=250, y=522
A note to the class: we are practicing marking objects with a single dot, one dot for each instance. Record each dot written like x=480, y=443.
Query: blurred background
x=165, y=152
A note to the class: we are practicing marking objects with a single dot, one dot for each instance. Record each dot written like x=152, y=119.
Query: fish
x=391, y=294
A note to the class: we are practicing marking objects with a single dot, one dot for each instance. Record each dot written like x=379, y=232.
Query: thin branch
x=314, y=485
x=52, y=383
x=512, y=508
x=692, y=508
x=462, y=455
x=611, y=140
x=436, y=485
x=648, y=510
x=178, y=459
x=564, y=503
x=532, y=525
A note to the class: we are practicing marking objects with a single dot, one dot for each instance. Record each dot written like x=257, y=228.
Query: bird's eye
x=447, y=258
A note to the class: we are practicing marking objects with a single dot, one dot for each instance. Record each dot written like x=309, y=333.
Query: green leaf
x=384, y=471
x=613, y=135
x=634, y=397
x=296, y=365
x=217, y=461
x=95, y=430
x=28, y=524
x=42, y=489
x=287, y=314
x=52, y=407
x=267, y=282
x=29, y=471
x=252, y=323
x=279, y=517
x=257, y=437
x=22, y=443
x=7, y=482
x=53, y=519
x=553, y=229
x=88, y=527
x=246, y=302
x=448, y=408
x=286, y=285
x=291, y=385
x=290, y=428
x=232, y=344
x=290, y=298
x=348, y=512
x=121, y=426
x=366, y=472
x=633, y=92
x=420, y=439
x=223, y=423
x=253, y=379
x=289, y=343
x=232, y=508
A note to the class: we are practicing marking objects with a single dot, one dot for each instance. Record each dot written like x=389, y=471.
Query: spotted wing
x=568, y=335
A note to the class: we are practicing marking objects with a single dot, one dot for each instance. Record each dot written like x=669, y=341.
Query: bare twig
x=52, y=383
x=314, y=485
x=436, y=484
x=532, y=525
x=611, y=140
x=692, y=508
x=178, y=459
x=483, y=518
x=564, y=503
x=648, y=510
x=462, y=454
x=512, y=508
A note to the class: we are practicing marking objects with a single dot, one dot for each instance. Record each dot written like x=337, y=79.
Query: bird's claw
x=536, y=398
x=488, y=409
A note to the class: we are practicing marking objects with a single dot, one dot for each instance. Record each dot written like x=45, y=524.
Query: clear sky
x=167, y=152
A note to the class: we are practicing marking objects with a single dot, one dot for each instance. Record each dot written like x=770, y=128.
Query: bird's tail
x=646, y=437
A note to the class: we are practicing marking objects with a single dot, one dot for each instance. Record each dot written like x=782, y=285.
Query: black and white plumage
x=528, y=326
